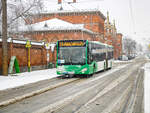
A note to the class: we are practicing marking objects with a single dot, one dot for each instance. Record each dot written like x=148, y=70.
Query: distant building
x=112, y=37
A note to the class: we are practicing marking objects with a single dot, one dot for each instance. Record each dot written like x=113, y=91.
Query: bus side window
x=89, y=58
x=89, y=53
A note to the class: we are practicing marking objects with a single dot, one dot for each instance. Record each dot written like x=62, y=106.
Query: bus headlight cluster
x=60, y=68
x=71, y=72
x=83, y=70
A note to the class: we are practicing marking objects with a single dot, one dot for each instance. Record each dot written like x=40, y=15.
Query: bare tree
x=19, y=11
x=11, y=17
x=129, y=46
x=139, y=48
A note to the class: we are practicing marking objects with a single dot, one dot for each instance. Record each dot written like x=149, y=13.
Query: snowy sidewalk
x=147, y=88
x=26, y=78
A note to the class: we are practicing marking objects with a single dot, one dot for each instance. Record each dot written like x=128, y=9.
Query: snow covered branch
x=19, y=10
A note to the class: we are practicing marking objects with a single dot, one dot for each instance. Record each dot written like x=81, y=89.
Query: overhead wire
x=132, y=16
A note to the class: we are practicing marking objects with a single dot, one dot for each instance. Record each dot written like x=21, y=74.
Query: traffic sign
x=28, y=44
x=47, y=46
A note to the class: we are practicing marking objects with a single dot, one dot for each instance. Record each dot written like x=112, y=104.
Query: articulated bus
x=82, y=57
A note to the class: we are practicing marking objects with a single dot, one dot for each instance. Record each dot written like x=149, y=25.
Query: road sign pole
x=28, y=45
x=29, y=66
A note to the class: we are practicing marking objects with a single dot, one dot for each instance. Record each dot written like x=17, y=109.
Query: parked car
x=130, y=57
x=124, y=58
x=120, y=58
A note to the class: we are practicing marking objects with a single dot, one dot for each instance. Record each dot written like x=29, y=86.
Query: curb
x=33, y=93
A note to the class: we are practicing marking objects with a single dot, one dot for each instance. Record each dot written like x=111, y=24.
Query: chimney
x=74, y=1
x=59, y=1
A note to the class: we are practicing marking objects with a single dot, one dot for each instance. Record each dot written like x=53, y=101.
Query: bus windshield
x=72, y=56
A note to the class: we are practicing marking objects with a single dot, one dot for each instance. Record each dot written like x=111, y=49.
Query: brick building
x=73, y=24
x=92, y=20
x=56, y=29
x=119, y=44
x=112, y=37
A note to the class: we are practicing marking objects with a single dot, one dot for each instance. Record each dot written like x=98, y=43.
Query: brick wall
x=119, y=43
x=38, y=55
x=60, y=35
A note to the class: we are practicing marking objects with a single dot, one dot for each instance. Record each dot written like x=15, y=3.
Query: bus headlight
x=71, y=73
x=83, y=70
x=60, y=68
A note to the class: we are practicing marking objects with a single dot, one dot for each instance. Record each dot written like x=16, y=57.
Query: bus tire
x=88, y=75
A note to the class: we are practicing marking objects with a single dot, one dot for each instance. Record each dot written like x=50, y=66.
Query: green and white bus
x=82, y=57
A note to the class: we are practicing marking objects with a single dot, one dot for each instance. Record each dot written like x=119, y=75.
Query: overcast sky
x=131, y=16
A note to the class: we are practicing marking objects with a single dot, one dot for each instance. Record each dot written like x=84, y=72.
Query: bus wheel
x=88, y=75
x=71, y=76
x=91, y=74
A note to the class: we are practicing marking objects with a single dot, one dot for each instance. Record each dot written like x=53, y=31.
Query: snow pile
x=147, y=88
x=26, y=78
x=17, y=41
x=121, y=61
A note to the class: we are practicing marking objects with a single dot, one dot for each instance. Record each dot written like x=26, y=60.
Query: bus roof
x=97, y=42
x=70, y=40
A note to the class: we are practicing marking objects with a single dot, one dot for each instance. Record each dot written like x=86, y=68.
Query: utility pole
x=4, y=38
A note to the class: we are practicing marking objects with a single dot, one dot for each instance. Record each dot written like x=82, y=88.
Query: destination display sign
x=78, y=43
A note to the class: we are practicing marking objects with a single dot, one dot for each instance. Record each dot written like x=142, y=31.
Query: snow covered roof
x=17, y=41
x=53, y=25
x=8, y=40
x=65, y=7
x=97, y=42
x=73, y=12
